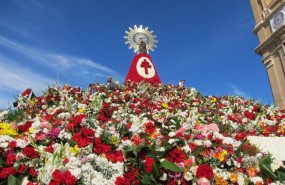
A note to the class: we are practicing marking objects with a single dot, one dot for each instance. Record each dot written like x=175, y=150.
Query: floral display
x=137, y=134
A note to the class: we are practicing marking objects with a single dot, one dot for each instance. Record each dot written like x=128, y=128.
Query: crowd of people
x=111, y=85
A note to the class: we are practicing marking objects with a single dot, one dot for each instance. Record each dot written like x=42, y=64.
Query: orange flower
x=251, y=172
x=259, y=183
x=188, y=162
x=219, y=180
x=233, y=177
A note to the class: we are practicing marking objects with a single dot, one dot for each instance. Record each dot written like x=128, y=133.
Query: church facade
x=270, y=29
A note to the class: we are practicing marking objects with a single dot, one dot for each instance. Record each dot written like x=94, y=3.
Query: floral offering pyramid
x=140, y=133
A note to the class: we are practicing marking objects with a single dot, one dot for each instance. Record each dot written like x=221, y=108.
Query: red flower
x=49, y=148
x=204, y=171
x=30, y=152
x=33, y=172
x=5, y=172
x=60, y=178
x=148, y=164
x=22, y=168
x=150, y=128
x=11, y=159
x=176, y=155
x=84, y=137
x=25, y=127
x=117, y=156
x=12, y=145
x=241, y=136
x=75, y=121
x=122, y=181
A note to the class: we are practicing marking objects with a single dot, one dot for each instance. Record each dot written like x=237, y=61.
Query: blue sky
x=208, y=43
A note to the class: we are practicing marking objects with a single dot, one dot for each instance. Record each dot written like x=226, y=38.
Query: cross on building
x=145, y=65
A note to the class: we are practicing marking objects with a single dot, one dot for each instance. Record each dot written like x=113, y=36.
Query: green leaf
x=12, y=180
x=16, y=165
x=155, y=169
x=266, y=168
x=171, y=166
x=281, y=176
x=2, y=162
x=197, y=150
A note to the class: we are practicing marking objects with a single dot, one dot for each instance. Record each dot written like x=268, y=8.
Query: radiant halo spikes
x=137, y=34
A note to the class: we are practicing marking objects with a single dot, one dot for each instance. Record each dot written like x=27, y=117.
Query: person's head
x=183, y=81
x=92, y=85
x=109, y=79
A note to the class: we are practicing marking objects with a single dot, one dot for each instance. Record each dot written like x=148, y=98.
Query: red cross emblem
x=145, y=65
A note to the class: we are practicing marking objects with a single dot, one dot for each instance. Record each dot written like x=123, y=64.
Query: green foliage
x=16, y=115
x=171, y=166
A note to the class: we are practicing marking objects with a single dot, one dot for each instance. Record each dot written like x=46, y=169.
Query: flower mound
x=137, y=134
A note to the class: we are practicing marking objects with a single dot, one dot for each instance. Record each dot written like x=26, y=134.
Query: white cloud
x=16, y=78
x=19, y=69
x=58, y=62
x=238, y=92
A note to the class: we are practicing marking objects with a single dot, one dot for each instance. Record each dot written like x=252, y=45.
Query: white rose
x=188, y=176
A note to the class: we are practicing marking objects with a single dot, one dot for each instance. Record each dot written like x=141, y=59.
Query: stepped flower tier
x=139, y=134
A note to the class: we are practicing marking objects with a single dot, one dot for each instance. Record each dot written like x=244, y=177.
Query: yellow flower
x=164, y=105
x=31, y=130
x=74, y=150
x=81, y=110
x=233, y=177
x=5, y=129
x=114, y=140
x=213, y=100
x=32, y=102
x=222, y=155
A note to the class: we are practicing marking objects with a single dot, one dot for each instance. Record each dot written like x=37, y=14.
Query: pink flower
x=182, y=129
x=208, y=128
x=203, y=181
x=40, y=136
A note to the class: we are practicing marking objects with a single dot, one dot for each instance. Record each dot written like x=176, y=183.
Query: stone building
x=270, y=29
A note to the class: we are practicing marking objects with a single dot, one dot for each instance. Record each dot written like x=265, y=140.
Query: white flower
x=22, y=143
x=4, y=140
x=163, y=177
x=188, y=176
x=228, y=140
x=186, y=148
x=2, y=114
x=207, y=143
x=198, y=142
x=171, y=134
x=76, y=172
x=256, y=179
x=64, y=135
x=276, y=164
x=170, y=141
x=240, y=179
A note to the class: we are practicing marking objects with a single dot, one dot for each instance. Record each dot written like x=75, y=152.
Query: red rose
x=204, y=171
x=148, y=164
x=30, y=152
